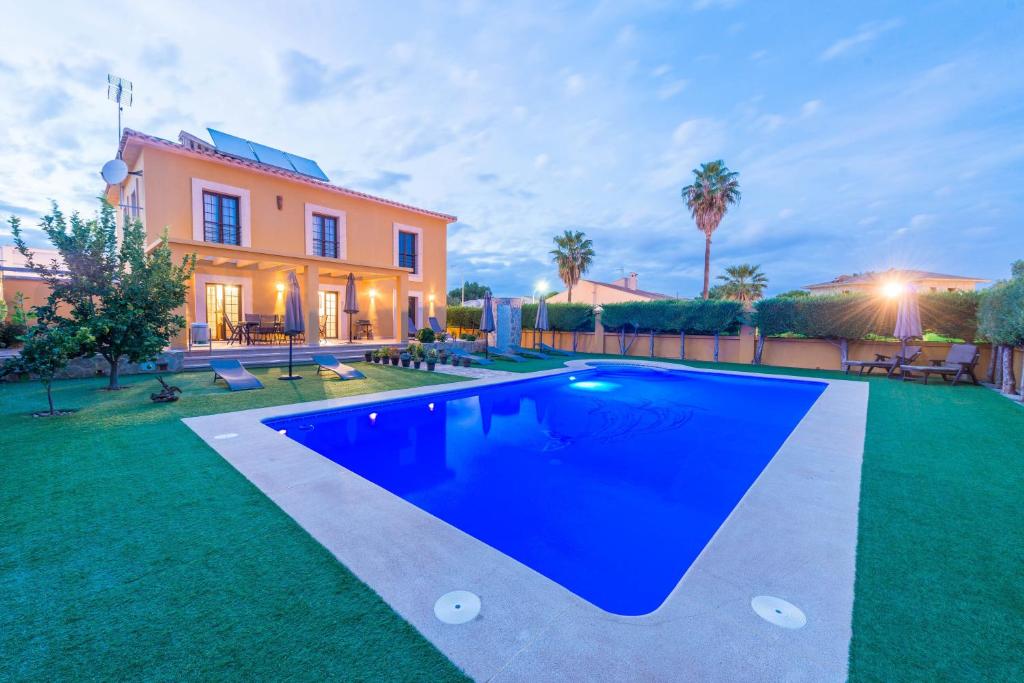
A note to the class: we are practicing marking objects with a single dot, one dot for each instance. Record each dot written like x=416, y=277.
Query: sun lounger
x=551, y=350
x=505, y=355
x=888, y=364
x=331, y=364
x=526, y=353
x=234, y=375
x=478, y=360
x=960, y=361
x=434, y=325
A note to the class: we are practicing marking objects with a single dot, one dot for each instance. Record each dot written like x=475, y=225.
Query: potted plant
x=442, y=355
x=465, y=362
x=406, y=358
x=375, y=355
x=416, y=351
x=368, y=355
x=432, y=356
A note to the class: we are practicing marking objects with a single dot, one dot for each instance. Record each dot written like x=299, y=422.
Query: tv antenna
x=119, y=90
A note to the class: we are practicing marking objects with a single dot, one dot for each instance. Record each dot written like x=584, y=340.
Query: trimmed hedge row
x=562, y=317
x=856, y=316
x=688, y=316
x=464, y=317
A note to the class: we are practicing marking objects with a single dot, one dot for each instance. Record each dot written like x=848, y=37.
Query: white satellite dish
x=114, y=172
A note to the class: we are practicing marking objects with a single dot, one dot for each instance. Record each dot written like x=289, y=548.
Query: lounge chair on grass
x=526, y=353
x=505, y=355
x=476, y=360
x=551, y=350
x=330, y=364
x=888, y=364
x=234, y=375
x=960, y=361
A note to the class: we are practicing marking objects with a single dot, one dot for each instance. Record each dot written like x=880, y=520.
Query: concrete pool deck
x=793, y=535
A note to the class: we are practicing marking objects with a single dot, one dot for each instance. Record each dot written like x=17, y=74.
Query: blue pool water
x=609, y=481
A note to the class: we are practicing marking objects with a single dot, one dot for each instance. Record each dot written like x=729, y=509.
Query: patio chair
x=526, y=353
x=889, y=364
x=327, y=362
x=505, y=355
x=412, y=328
x=236, y=333
x=551, y=350
x=960, y=361
x=234, y=375
x=473, y=358
x=434, y=325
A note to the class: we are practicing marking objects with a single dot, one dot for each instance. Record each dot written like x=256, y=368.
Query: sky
x=867, y=135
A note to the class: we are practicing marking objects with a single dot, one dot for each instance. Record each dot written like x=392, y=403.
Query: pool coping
x=793, y=535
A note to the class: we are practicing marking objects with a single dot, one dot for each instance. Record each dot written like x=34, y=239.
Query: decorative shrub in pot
x=431, y=359
x=465, y=362
x=405, y=358
x=368, y=355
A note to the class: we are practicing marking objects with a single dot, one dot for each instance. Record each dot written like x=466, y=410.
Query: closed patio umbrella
x=487, y=322
x=351, y=303
x=293, y=323
x=908, y=318
x=542, y=320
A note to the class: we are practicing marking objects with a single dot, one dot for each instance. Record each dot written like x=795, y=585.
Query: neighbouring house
x=252, y=213
x=592, y=292
x=874, y=282
x=15, y=277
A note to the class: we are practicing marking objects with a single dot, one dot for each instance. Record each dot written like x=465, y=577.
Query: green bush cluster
x=860, y=316
x=464, y=317
x=689, y=316
x=562, y=317
x=1001, y=310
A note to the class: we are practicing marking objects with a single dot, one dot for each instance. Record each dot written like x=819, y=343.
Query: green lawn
x=130, y=549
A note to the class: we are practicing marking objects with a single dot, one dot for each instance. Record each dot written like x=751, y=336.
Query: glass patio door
x=222, y=300
x=329, y=314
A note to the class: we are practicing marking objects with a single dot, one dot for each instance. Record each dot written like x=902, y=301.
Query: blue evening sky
x=866, y=134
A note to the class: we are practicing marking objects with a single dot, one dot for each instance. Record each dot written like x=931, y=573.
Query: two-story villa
x=252, y=213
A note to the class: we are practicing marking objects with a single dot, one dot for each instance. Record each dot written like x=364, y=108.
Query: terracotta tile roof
x=130, y=134
x=906, y=275
x=638, y=292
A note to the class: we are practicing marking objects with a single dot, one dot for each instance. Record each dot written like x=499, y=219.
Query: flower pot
x=405, y=362
x=376, y=360
x=394, y=361
x=465, y=362
x=416, y=364
x=368, y=356
x=430, y=366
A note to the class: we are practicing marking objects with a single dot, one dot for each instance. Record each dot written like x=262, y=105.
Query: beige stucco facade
x=275, y=214
x=602, y=293
x=877, y=282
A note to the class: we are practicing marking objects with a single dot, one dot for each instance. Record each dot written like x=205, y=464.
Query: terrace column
x=401, y=307
x=312, y=305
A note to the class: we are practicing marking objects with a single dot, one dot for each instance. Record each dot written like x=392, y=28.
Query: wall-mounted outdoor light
x=280, y=202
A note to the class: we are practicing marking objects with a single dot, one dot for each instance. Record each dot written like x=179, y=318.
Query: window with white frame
x=325, y=235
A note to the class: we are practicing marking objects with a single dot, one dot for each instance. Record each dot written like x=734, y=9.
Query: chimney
x=631, y=282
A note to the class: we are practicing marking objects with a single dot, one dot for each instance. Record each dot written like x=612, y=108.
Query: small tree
x=573, y=255
x=125, y=299
x=47, y=350
x=467, y=292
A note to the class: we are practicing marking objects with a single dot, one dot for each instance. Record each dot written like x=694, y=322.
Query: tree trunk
x=652, y=344
x=997, y=366
x=575, y=340
x=1008, y=383
x=844, y=351
x=707, y=263
x=682, y=345
x=759, y=349
x=49, y=395
x=990, y=376
x=115, y=372
x=716, y=347
x=570, y=293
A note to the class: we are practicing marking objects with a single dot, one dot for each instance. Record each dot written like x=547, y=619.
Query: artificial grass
x=130, y=550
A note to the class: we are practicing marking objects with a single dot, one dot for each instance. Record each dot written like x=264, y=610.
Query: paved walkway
x=473, y=371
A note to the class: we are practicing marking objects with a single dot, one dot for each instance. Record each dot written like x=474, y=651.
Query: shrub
x=11, y=333
x=466, y=336
x=467, y=317
x=425, y=335
x=562, y=317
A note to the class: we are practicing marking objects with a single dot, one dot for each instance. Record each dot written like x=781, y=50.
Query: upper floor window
x=220, y=218
x=407, y=248
x=325, y=235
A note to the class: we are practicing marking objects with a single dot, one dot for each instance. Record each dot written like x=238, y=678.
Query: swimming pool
x=608, y=481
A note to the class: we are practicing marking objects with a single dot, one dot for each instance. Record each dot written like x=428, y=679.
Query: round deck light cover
x=457, y=607
x=778, y=611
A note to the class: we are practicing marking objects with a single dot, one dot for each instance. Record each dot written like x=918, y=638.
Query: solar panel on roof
x=254, y=151
x=231, y=145
x=307, y=167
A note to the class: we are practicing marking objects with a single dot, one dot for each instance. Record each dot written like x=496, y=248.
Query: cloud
x=700, y=5
x=626, y=36
x=541, y=160
x=670, y=90
x=47, y=103
x=487, y=177
x=758, y=55
x=574, y=84
x=661, y=70
x=7, y=208
x=810, y=108
x=307, y=79
x=161, y=55
x=867, y=33
x=383, y=180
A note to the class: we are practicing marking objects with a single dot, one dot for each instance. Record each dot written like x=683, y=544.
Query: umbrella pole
x=291, y=340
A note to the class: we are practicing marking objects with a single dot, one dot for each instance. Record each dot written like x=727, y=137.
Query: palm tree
x=715, y=188
x=744, y=283
x=573, y=254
